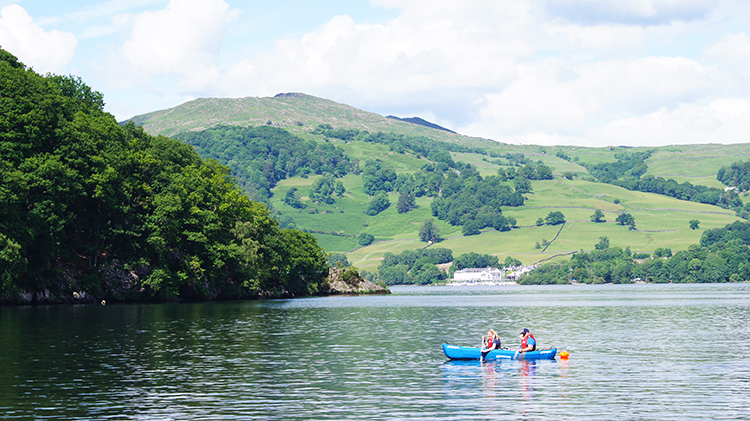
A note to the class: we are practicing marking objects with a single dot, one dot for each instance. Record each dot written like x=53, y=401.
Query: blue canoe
x=455, y=352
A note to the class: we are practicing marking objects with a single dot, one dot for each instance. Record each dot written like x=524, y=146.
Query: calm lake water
x=651, y=352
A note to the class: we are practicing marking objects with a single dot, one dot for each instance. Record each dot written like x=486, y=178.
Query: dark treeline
x=261, y=156
x=420, y=266
x=529, y=171
x=722, y=256
x=516, y=159
x=419, y=145
x=92, y=209
x=737, y=175
x=414, y=266
x=473, y=260
x=628, y=170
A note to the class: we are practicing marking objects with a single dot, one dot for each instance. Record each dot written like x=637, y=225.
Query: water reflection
x=666, y=354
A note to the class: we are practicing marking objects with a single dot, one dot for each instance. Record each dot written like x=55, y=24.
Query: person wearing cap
x=528, y=343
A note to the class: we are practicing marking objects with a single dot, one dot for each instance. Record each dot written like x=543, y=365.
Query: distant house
x=478, y=275
x=515, y=272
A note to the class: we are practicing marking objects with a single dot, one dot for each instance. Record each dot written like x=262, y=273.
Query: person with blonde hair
x=490, y=342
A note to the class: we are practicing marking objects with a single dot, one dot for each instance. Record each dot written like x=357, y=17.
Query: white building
x=478, y=275
x=515, y=272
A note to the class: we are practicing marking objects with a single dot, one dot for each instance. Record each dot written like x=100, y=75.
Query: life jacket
x=488, y=343
x=523, y=342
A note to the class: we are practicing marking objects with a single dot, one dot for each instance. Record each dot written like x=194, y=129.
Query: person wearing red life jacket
x=489, y=343
x=528, y=343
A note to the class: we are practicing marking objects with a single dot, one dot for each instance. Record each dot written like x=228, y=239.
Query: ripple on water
x=662, y=352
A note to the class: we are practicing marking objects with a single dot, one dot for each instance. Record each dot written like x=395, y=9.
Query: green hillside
x=295, y=112
x=661, y=221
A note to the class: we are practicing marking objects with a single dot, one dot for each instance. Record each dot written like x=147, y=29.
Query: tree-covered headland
x=89, y=206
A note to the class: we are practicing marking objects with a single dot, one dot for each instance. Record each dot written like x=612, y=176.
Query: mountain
x=420, y=122
x=340, y=222
x=296, y=112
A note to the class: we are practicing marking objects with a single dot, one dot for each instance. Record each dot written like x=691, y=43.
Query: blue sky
x=577, y=72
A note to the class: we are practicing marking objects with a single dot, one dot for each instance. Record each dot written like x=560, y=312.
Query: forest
x=90, y=209
x=262, y=156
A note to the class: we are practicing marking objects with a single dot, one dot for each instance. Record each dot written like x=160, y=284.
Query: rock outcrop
x=348, y=281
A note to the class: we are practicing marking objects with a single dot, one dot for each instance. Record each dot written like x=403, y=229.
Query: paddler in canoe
x=528, y=343
x=490, y=342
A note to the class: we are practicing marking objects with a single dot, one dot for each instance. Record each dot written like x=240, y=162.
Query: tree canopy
x=262, y=156
x=87, y=205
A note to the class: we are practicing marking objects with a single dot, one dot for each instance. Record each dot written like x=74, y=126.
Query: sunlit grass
x=660, y=221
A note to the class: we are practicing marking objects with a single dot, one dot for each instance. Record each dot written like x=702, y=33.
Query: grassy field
x=697, y=164
x=660, y=221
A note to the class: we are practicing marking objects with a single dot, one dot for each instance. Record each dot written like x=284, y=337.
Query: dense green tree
x=339, y=189
x=395, y=275
x=292, y=199
x=377, y=177
x=626, y=219
x=602, y=244
x=366, y=239
x=522, y=185
x=323, y=189
x=473, y=260
x=405, y=202
x=338, y=260
x=414, y=266
x=663, y=252
x=427, y=273
x=378, y=204
x=510, y=261
x=694, y=224
x=597, y=216
x=554, y=218
x=549, y=274
x=737, y=175
x=470, y=228
x=429, y=232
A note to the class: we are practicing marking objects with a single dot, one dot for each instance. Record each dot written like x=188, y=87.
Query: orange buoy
x=564, y=355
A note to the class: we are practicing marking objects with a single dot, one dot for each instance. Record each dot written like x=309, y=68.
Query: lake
x=651, y=352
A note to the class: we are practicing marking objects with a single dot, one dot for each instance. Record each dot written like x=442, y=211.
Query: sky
x=544, y=72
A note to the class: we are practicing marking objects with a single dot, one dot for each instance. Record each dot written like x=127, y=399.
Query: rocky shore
x=348, y=281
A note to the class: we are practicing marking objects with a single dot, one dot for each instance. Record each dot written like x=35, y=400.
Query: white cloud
x=433, y=52
x=567, y=101
x=184, y=39
x=732, y=53
x=725, y=120
x=44, y=51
